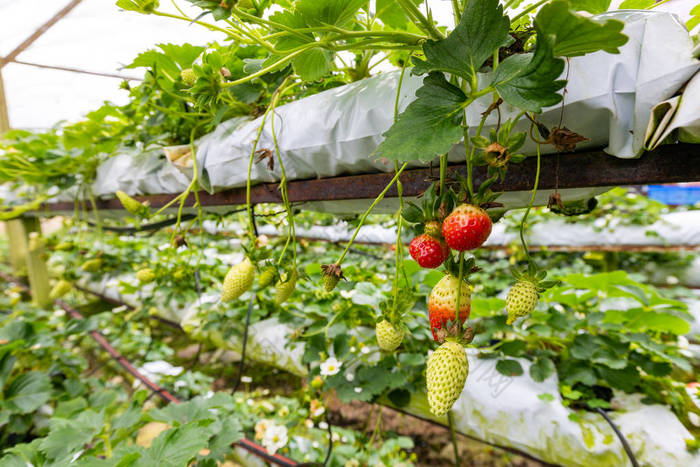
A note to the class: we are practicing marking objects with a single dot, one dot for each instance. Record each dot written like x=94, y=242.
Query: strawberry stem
x=460, y=279
x=453, y=435
x=399, y=189
x=529, y=206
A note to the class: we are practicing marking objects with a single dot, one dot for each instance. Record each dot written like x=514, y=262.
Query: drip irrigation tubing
x=250, y=446
x=622, y=438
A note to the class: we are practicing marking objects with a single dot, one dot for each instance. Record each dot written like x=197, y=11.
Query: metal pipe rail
x=667, y=164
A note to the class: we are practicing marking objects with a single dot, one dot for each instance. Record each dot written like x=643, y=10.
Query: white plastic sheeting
x=609, y=100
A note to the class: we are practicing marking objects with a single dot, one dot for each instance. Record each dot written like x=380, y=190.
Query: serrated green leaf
x=529, y=81
x=399, y=397
x=142, y=6
x=513, y=348
x=481, y=31
x=509, y=367
x=591, y=6
x=575, y=35
x=230, y=432
x=7, y=362
x=636, y=4
x=176, y=446
x=391, y=13
x=542, y=369
x=27, y=392
x=68, y=436
x=626, y=379
x=328, y=12
x=429, y=126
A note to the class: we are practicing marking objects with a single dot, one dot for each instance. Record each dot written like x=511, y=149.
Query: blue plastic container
x=674, y=194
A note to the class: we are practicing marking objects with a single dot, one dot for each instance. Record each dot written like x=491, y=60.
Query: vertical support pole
x=37, y=271
x=4, y=113
x=18, y=231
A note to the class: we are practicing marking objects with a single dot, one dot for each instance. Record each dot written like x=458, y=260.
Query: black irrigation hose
x=622, y=438
x=145, y=227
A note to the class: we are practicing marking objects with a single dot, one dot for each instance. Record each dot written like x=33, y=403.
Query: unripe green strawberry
x=133, y=206
x=389, y=337
x=92, y=265
x=61, y=288
x=179, y=274
x=330, y=282
x=285, y=288
x=317, y=382
x=238, y=280
x=145, y=275
x=445, y=376
x=331, y=275
x=63, y=246
x=267, y=276
x=521, y=300
x=188, y=77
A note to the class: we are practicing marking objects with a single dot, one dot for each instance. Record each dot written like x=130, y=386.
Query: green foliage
x=430, y=124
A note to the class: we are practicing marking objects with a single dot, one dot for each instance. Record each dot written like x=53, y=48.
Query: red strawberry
x=466, y=228
x=442, y=303
x=428, y=251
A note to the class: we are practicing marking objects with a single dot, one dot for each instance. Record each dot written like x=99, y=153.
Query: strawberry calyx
x=452, y=332
x=533, y=275
x=434, y=208
x=469, y=267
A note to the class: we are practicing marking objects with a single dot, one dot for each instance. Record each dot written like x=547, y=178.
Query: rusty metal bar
x=666, y=164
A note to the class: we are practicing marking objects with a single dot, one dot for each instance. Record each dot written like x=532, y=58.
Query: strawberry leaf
x=509, y=367
x=529, y=81
x=575, y=35
x=429, y=126
x=482, y=30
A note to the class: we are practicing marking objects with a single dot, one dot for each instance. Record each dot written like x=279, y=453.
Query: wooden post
x=18, y=231
x=37, y=271
x=4, y=114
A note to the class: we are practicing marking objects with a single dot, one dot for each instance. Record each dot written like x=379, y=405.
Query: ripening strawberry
x=445, y=376
x=466, y=228
x=389, y=337
x=285, y=288
x=429, y=252
x=238, y=280
x=442, y=303
x=521, y=300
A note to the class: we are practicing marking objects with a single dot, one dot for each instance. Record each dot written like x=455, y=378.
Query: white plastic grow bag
x=609, y=99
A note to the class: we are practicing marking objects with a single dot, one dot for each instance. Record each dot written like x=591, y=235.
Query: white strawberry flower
x=275, y=438
x=330, y=367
